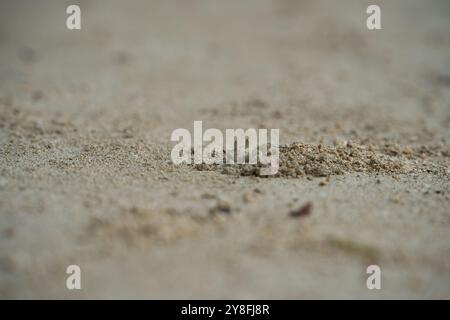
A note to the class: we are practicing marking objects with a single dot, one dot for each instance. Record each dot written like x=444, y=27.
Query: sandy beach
x=86, y=176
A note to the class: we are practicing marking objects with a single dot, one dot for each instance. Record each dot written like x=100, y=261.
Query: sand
x=85, y=170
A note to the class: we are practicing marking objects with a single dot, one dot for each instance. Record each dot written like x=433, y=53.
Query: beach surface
x=85, y=171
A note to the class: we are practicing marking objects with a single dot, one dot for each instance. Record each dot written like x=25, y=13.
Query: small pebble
x=303, y=211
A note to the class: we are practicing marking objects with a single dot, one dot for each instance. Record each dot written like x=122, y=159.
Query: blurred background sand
x=85, y=173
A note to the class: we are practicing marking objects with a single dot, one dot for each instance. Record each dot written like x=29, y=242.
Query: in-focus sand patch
x=301, y=159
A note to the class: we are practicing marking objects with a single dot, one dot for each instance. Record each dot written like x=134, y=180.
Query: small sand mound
x=300, y=159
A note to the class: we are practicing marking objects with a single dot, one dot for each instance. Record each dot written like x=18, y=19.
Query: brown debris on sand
x=303, y=211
